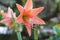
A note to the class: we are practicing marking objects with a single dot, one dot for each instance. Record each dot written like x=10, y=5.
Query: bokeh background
x=50, y=14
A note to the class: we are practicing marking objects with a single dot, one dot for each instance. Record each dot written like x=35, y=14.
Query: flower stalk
x=35, y=33
x=19, y=35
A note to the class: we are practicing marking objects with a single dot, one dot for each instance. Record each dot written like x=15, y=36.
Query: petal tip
x=9, y=8
x=17, y=4
x=44, y=22
x=29, y=34
x=42, y=7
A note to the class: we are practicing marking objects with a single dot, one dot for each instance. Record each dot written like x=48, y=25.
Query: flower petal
x=20, y=8
x=36, y=11
x=37, y=20
x=4, y=14
x=28, y=5
x=19, y=19
x=9, y=12
x=14, y=15
x=5, y=20
x=28, y=27
x=9, y=23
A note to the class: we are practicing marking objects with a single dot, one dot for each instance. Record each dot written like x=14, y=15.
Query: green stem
x=19, y=35
x=35, y=34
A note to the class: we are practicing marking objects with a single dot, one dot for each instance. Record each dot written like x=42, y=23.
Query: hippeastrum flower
x=28, y=15
x=8, y=17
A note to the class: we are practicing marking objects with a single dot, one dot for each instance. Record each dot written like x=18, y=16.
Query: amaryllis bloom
x=28, y=15
x=8, y=17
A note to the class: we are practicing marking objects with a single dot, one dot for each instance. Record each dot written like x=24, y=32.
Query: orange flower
x=7, y=17
x=28, y=15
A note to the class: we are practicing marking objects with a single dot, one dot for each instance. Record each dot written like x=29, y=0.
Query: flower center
x=24, y=16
